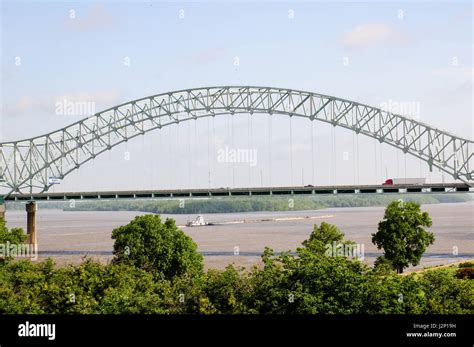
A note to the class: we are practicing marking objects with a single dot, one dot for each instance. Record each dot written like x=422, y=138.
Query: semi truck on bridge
x=405, y=181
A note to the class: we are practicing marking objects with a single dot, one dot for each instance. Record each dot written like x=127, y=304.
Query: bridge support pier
x=3, y=207
x=31, y=223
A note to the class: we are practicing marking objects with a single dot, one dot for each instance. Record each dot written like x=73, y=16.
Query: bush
x=84, y=289
x=160, y=248
x=446, y=294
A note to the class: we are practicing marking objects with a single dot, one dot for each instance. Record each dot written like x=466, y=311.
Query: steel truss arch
x=26, y=166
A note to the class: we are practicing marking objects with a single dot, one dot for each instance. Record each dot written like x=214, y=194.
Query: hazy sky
x=417, y=54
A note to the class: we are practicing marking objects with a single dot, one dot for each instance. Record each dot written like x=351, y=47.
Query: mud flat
x=69, y=236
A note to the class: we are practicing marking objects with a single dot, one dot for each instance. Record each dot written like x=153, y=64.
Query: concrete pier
x=31, y=223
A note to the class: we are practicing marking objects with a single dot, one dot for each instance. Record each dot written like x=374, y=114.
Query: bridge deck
x=437, y=188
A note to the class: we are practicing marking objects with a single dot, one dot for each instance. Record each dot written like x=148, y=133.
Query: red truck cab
x=388, y=182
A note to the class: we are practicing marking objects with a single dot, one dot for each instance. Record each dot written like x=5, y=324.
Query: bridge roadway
x=437, y=188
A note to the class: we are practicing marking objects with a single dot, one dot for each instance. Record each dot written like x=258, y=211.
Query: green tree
x=401, y=234
x=323, y=235
x=14, y=235
x=160, y=248
x=308, y=283
x=271, y=288
x=446, y=294
x=324, y=240
x=225, y=291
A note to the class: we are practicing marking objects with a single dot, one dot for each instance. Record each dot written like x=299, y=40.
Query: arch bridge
x=27, y=165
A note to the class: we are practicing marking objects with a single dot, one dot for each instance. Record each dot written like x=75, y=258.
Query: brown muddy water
x=69, y=236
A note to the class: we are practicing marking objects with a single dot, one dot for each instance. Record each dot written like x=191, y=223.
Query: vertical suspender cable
x=381, y=161
x=189, y=154
x=398, y=168
x=150, y=154
x=173, y=178
x=152, y=166
x=269, y=153
x=128, y=157
x=229, y=168
x=178, y=156
x=353, y=158
x=249, y=139
x=375, y=161
x=208, y=154
x=171, y=157
x=143, y=151
x=213, y=173
x=160, y=135
x=405, y=158
x=357, y=163
x=195, y=161
x=291, y=152
x=195, y=152
x=233, y=147
x=421, y=169
x=333, y=156
x=419, y=148
x=312, y=152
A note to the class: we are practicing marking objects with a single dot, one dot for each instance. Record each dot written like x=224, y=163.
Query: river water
x=68, y=236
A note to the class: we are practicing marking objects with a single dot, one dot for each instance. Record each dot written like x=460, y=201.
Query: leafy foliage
x=402, y=235
x=157, y=247
x=88, y=288
x=13, y=236
x=322, y=236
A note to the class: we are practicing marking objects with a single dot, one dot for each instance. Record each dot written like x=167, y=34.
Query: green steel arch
x=26, y=165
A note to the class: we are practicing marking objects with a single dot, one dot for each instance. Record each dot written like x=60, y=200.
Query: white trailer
x=406, y=181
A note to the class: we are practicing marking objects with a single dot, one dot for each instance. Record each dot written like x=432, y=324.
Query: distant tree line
x=254, y=204
x=242, y=204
